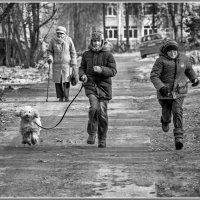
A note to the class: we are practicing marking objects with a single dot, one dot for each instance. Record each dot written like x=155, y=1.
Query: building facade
x=139, y=25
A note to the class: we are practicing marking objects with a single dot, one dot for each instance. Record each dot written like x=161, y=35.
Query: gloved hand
x=97, y=69
x=164, y=91
x=49, y=61
x=84, y=78
x=195, y=82
x=74, y=77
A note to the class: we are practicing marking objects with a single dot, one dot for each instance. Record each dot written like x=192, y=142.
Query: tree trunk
x=25, y=22
x=181, y=23
x=154, y=12
x=25, y=60
x=6, y=11
x=34, y=33
x=172, y=12
x=76, y=24
x=104, y=20
x=8, y=44
x=127, y=26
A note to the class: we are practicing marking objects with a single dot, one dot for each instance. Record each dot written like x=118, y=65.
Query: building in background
x=139, y=25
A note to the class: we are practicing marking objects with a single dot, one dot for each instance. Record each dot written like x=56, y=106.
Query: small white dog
x=29, y=130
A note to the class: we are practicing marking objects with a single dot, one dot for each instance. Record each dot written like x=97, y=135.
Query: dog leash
x=64, y=112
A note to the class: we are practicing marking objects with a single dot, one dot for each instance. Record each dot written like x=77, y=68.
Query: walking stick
x=48, y=83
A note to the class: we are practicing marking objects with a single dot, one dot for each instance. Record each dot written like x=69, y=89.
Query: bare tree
x=127, y=9
x=80, y=19
x=154, y=8
x=172, y=8
x=6, y=11
x=104, y=19
x=23, y=24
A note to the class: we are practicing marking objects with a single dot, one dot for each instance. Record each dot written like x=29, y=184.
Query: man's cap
x=61, y=29
x=170, y=45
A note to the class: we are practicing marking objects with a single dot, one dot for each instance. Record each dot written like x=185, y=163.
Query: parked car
x=150, y=44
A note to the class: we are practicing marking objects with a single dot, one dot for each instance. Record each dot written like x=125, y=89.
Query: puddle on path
x=118, y=181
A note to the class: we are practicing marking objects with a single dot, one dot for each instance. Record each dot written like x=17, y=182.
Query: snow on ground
x=19, y=76
x=147, y=63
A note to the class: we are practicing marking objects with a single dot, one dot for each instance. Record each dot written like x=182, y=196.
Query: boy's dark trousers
x=173, y=107
x=98, y=118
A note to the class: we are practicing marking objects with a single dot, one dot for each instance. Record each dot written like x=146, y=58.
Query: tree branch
x=6, y=11
x=45, y=22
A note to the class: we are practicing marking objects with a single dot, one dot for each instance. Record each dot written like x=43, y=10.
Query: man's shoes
x=60, y=99
x=165, y=127
x=178, y=143
x=91, y=139
x=102, y=144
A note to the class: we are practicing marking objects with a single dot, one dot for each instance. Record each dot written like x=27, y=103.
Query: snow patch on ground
x=21, y=76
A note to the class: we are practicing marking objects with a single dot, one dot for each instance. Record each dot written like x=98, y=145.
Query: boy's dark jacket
x=99, y=84
x=172, y=73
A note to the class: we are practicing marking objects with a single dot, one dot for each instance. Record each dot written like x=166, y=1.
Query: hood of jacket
x=161, y=53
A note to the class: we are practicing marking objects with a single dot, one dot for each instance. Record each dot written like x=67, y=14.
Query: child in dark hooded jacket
x=169, y=76
x=96, y=69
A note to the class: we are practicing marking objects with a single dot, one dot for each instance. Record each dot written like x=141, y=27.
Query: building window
x=130, y=34
x=111, y=10
x=111, y=32
x=148, y=30
x=133, y=32
x=151, y=8
x=147, y=9
x=132, y=10
x=115, y=33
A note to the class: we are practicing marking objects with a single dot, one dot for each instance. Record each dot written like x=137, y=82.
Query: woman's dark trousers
x=62, y=90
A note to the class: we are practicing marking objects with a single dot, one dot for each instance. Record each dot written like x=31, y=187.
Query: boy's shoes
x=60, y=99
x=91, y=139
x=102, y=144
x=165, y=127
x=179, y=143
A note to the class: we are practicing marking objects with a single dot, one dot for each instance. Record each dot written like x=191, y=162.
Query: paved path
x=63, y=165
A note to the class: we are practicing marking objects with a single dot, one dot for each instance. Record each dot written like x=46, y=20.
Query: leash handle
x=48, y=128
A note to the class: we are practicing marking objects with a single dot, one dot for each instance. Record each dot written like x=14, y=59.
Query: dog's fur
x=28, y=129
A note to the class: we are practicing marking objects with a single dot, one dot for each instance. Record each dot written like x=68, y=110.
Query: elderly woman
x=62, y=54
x=169, y=76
